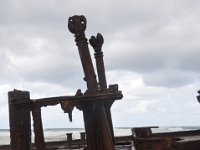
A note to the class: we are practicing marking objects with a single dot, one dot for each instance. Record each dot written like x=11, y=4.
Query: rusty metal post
x=96, y=124
x=82, y=136
x=69, y=138
x=20, y=122
x=77, y=25
x=38, y=128
x=83, y=141
x=96, y=43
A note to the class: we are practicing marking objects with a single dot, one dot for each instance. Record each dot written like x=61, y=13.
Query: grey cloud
x=155, y=32
x=170, y=78
x=190, y=60
x=157, y=40
x=152, y=48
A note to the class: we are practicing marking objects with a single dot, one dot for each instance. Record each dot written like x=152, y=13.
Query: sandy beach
x=57, y=145
x=63, y=145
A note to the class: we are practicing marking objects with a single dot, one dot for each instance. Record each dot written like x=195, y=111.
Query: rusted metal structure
x=198, y=97
x=95, y=102
x=144, y=139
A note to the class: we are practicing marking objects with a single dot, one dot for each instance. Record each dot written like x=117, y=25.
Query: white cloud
x=151, y=50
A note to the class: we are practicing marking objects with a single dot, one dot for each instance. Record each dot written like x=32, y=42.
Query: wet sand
x=62, y=145
x=57, y=145
x=7, y=147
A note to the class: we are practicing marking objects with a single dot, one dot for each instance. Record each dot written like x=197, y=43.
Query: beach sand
x=62, y=145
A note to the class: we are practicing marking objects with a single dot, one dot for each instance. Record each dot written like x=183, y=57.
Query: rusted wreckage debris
x=95, y=102
x=144, y=139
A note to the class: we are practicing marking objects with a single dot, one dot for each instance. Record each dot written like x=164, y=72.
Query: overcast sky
x=151, y=50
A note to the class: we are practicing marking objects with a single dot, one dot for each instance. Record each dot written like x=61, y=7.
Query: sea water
x=59, y=134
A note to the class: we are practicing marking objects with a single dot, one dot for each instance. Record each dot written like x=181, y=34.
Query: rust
x=49, y=101
x=38, y=128
x=95, y=117
x=96, y=43
x=144, y=139
x=95, y=102
x=20, y=126
x=69, y=138
x=77, y=26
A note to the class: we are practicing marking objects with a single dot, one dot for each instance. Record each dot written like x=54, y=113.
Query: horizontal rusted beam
x=100, y=97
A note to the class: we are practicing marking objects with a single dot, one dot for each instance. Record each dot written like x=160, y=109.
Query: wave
x=59, y=134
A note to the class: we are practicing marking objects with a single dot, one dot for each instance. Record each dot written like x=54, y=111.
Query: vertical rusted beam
x=20, y=122
x=109, y=117
x=96, y=43
x=104, y=128
x=94, y=113
x=82, y=137
x=88, y=116
x=77, y=25
x=69, y=138
x=38, y=128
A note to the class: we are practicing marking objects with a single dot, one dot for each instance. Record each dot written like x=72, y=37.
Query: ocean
x=59, y=134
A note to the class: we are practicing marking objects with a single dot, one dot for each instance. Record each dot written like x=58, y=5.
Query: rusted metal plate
x=144, y=139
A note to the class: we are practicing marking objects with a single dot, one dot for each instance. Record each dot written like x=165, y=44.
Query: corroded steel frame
x=95, y=102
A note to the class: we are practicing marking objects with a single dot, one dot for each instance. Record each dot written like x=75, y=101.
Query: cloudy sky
x=151, y=50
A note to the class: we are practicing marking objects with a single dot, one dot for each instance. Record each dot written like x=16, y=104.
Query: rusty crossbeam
x=106, y=96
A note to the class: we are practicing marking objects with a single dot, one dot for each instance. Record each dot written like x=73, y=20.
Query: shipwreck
x=95, y=103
